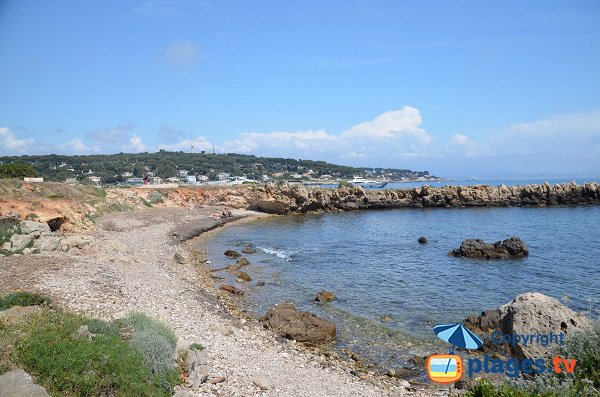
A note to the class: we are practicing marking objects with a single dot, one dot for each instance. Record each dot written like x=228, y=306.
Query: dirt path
x=131, y=267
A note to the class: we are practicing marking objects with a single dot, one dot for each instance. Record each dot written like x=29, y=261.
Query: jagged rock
x=20, y=241
x=46, y=243
x=287, y=321
x=18, y=314
x=197, y=365
x=31, y=226
x=232, y=254
x=18, y=383
x=422, y=240
x=324, y=296
x=476, y=248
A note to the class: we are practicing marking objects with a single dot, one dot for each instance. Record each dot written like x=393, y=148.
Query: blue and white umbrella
x=458, y=335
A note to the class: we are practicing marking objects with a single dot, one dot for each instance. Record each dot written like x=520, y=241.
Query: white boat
x=362, y=182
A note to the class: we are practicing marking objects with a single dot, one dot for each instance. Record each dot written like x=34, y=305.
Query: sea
x=390, y=290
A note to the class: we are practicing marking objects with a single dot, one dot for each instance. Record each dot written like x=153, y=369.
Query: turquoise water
x=373, y=264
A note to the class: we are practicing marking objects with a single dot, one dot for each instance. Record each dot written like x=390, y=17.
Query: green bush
x=104, y=366
x=16, y=170
x=156, y=197
x=343, y=184
x=22, y=298
x=540, y=386
x=585, y=347
x=145, y=202
x=197, y=346
x=156, y=342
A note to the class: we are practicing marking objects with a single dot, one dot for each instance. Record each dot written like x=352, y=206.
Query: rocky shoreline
x=299, y=199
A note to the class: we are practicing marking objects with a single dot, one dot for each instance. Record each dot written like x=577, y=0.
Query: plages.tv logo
x=448, y=368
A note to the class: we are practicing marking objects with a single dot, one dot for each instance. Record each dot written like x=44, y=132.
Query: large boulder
x=31, y=226
x=512, y=247
x=18, y=383
x=20, y=241
x=75, y=241
x=287, y=321
x=530, y=313
x=46, y=243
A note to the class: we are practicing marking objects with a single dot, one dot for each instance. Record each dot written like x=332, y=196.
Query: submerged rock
x=324, y=296
x=287, y=321
x=232, y=289
x=242, y=262
x=249, y=250
x=232, y=254
x=422, y=240
x=476, y=248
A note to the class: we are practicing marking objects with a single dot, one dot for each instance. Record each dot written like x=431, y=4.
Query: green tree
x=16, y=170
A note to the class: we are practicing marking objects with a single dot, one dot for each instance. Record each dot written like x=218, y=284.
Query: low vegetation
x=584, y=382
x=22, y=298
x=127, y=357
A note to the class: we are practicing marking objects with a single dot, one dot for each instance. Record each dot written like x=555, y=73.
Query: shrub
x=31, y=216
x=585, y=347
x=156, y=197
x=71, y=366
x=197, y=346
x=22, y=298
x=343, y=184
x=16, y=170
x=145, y=202
x=156, y=342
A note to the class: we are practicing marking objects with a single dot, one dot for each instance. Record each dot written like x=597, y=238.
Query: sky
x=459, y=88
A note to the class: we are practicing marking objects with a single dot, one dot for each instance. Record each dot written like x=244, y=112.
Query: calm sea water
x=373, y=264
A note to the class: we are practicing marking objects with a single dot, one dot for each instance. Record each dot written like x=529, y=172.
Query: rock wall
x=298, y=199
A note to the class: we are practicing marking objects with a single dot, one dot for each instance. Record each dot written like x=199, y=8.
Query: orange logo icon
x=444, y=368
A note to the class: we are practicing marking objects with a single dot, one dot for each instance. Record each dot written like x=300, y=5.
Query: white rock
x=263, y=382
x=19, y=241
x=31, y=226
x=18, y=383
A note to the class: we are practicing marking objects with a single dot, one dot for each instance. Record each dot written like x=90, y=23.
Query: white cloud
x=117, y=134
x=9, y=143
x=199, y=144
x=76, y=146
x=302, y=141
x=134, y=144
x=405, y=122
x=183, y=54
x=463, y=145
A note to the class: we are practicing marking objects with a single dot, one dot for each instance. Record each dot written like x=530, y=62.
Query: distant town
x=179, y=168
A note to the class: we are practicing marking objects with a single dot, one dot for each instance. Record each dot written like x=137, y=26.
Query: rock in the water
x=260, y=283
x=287, y=321
x=249, y=250
x=422, y=240
x=232, y=254
x=242, y=262
x=31, y=226
x=324, y=296
x=476, y=248
x=232, y=289
x=244, y=276
x=386, y=319
x=18, y=383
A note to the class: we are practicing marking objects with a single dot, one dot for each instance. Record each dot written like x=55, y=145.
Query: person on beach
x=226, y=213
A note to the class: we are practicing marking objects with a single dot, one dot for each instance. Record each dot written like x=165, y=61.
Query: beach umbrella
x=458, y=335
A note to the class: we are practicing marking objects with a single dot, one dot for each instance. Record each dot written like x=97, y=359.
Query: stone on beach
x=475, y=248
x=232, y=289
x=287, y=321
x=18, y=383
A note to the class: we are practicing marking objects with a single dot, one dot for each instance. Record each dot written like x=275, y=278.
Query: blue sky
x=455, y=87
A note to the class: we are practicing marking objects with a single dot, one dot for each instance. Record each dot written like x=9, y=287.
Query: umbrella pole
x=448, y=366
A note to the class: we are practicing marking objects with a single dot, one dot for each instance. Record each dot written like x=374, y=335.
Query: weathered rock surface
x=20, y=241
x=75, y=241
x=287, y=321
x=197, y=366
x=232, y=289
x=31, y=226
x=300, y=199
x=324, y=296
x=531, y=313
x=249, y=250
x=475, y=248
x=18, y=383
x=181, y=257
x=242, y=262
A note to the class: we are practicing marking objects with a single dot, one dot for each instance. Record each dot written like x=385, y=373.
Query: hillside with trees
x=114, y=168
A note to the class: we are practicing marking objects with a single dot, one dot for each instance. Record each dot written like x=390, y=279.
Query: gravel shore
x=131, y=266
